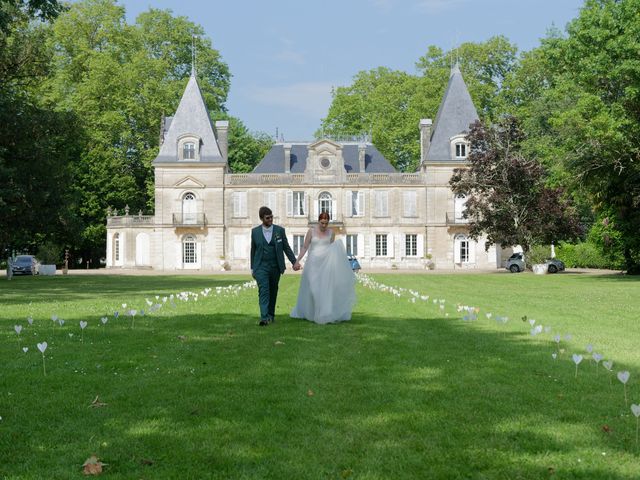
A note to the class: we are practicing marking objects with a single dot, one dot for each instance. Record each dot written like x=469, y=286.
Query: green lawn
x=405, y=390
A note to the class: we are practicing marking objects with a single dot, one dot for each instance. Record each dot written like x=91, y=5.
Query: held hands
x=296, y=266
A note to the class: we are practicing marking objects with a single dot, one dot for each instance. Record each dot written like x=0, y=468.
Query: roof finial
x=193, y=55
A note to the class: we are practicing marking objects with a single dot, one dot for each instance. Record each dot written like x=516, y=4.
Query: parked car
x=515, y=263
x=554, y=265
x=24, y=265
x=353, y=261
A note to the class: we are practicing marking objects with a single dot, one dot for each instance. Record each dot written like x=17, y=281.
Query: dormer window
x=189, y=148
x=189, y=151
x=459, y=147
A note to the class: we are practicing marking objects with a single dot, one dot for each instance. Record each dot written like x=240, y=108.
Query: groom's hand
x=296, y=266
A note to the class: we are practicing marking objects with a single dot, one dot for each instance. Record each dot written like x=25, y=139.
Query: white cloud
x=289, y=54
x=309, y=98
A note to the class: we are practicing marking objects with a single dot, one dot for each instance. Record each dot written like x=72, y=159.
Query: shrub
x=49, y=253
x=584, y=255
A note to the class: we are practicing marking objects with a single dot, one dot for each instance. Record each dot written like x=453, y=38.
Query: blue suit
x=267, y=264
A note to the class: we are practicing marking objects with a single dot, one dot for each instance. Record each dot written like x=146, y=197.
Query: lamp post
x=65, y=269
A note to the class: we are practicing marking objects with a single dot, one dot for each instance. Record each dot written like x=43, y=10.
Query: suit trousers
x=267, y=277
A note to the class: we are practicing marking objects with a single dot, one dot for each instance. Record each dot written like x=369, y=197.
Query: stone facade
x=387, y=219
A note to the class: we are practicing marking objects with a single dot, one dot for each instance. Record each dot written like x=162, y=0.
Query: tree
x=579, y=99
x=246, y=149
x=120, y=79
x=10, y=10
x=388, y=104
x=507, y=199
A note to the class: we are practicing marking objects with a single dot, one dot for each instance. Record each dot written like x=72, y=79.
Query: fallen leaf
x=310, y=393
x=145, y=461
x=97, y=403
x=92, y=466
x=606, y=429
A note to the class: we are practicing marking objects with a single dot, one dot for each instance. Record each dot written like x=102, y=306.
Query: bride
x=327, y=289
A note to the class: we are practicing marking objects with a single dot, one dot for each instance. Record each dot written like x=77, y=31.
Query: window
x=298, y=243
x=382, y=204
x=352, y=245
x=460, y=204
x=269, y=200
x=188, y=151
x=116, y=247
x=189, y=253
x=411, y=245
x=410, y=205
x=296, y=204
x=325, y=204
x=461, y=150
x=355, y=203
x=462, y=251
x=189, y=209
x=381, y=245
x=239, y=204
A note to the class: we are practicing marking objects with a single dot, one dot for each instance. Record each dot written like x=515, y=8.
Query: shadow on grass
x=215, y=396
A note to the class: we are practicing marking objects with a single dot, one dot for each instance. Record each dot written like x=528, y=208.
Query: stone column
x=287, y=158
x=425, y=138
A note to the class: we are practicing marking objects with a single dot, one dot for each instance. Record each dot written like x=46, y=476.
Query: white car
x=515, y=263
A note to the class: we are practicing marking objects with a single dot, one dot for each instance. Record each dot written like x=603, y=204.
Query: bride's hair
x=324, y=216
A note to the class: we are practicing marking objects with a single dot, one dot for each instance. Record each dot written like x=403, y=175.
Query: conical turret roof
x=191, y=118
x=455, y=114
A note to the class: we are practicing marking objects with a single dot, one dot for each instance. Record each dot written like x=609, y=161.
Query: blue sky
x=286, y=55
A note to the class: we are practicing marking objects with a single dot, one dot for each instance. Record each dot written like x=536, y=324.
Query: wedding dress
x=327, y=289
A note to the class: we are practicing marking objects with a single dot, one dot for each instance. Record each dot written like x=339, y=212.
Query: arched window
x=189, y=250
x=325, y=204
x=189, y=209
x=188, y=151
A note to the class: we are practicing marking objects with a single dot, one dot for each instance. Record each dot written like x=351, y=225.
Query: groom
x=268, y=246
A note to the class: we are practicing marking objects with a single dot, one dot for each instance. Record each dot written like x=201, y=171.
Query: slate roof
x=273, y=161
x=454, y=116
x=191, y=117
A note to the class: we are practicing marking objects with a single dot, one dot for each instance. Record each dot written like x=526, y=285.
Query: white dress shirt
x=267, y=232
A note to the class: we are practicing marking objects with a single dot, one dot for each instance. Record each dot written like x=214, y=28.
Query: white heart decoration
x=532, y=322
x=124, y=305
x=30, y=320
x=42, y=347
x=623, y=376
x=557, y=338
x=608, y=364
x=104, y=320
x=54, y=317
x=71, y=335
x=597, y=357
x=25, y=349
x=554, y=355
x=589, y=348
x=18, y=329
x=635, y=409
x=577, y=358
x=61, y=322
x=83, y=324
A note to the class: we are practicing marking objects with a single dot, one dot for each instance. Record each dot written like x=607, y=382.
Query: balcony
x=454, y=218
x=189, y=220
x=129, y=220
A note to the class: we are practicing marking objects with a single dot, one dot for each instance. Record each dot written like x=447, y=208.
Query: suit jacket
x=282, y=247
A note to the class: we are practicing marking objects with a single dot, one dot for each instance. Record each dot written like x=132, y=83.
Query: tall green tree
x=388, y=104
x=580, y=99
x=507, y=198
x=120, y=79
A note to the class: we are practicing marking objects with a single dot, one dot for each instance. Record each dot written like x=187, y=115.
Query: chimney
x=425, y=138
x=361, y=156
x=287, y=158
x=222, y=129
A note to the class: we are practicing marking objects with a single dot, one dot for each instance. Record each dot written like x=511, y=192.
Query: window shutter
x=360, y=204
x=372, y=246
x=243, y=204
x=410, y=204
x=421, y=252
x=347, y=204
x=472, y=251
x=334, y=212
x=456, y=250
x=306, y=205
x=378, y=204
x=360, y=244
x=390, y=250
x=289, y=203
